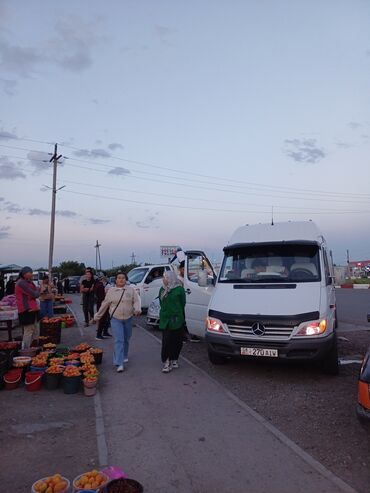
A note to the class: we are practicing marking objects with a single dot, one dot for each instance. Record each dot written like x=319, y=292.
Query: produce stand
x=61, y=304
x=8, y=321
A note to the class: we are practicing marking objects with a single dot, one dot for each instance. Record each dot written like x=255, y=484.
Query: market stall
x=8, y=315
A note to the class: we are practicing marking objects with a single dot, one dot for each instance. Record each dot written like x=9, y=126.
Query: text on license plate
x=254, y=351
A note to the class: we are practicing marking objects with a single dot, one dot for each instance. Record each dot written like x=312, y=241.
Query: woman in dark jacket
x=172, y=320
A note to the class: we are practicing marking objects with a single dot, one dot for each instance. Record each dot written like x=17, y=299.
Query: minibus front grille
x=271, y=333
x=261, y=343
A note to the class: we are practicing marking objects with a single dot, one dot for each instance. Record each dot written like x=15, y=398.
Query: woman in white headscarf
x=172, y=320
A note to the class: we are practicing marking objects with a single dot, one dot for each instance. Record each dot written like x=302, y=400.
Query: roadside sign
x=168, y=251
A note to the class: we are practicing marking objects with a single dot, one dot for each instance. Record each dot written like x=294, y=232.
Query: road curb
x=320, y=468
x=353, y=286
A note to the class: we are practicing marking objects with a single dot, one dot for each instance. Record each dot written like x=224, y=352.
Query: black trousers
x=88, y=305
x=171, y=344
x=103, y=324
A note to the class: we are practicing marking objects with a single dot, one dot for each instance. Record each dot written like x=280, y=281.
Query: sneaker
x=99, y=338
x=120, y=369
x=167, y=367
x=195, y=339
x=107, y=334
x=175, y=364
x=125, y=360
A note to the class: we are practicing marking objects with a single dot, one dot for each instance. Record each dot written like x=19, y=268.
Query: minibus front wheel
x=216, y=359
x=330, y=363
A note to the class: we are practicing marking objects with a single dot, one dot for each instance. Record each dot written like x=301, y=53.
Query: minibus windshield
x=135, y=276
x=271, y=263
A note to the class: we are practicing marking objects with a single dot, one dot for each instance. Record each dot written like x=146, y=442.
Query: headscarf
x=173, y=282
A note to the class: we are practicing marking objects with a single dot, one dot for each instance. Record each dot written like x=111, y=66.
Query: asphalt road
x=353, y=305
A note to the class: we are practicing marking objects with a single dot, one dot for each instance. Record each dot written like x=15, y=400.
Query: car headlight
x=215, y=325
x=313, y=328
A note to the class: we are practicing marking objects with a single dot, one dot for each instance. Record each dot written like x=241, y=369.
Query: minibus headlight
x=215, y=325
x=313, y=328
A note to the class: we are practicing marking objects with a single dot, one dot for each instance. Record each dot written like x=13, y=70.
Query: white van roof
x=287, y=231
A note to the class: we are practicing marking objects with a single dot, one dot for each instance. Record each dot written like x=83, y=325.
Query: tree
x=124, y=268
x=71, y=268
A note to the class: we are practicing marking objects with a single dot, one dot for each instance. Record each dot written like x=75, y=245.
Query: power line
x=183, y=197
x=187, y=173
x=250, y=184
x=202, y=187
x=205, y=208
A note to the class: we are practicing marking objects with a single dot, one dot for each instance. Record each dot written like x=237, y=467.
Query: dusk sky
x=180, y=121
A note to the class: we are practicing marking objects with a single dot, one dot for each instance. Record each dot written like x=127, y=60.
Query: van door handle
x=188, y=291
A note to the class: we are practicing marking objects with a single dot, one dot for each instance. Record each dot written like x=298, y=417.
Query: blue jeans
x=46, y=308
x=122, y=331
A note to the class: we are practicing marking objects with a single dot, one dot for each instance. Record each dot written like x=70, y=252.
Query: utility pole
x=348, y=269
x=55, y=159
x=97, y=256
x=133, y=258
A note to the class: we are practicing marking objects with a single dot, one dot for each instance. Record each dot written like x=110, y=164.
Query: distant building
x=359, y=268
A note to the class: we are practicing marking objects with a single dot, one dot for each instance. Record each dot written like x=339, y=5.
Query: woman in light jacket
x=123, y=303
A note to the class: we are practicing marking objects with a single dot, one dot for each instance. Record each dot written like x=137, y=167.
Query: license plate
x=254, y=351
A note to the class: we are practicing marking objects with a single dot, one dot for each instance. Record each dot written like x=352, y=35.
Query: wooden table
x=9, y=324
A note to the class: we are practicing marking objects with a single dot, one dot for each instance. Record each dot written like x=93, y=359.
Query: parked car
x=152, y=316
x=74, y=284
x=363, y=400
x=147, y=281
x=274, y=296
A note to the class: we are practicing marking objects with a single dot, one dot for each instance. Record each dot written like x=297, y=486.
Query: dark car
x=74, y=284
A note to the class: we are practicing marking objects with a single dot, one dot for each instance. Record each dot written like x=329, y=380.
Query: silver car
x=152, y=316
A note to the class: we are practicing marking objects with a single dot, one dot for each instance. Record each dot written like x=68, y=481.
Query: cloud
x=368, y=52
x=119, y=171
x=18, y=60
x=9, y=170
x=93, y=153
x=95, y=101
x=39, y=161
x=150, y=222
x=5, y=135
x=4, y=232
x=11, y=207
x=69, y=48
x=343, y=145
x=163, y=33
x=66, y=213
x=304, y=151
x=114, y=145
x=38, y=212
x=8, y=86
x=98, y=221
x=354, y=125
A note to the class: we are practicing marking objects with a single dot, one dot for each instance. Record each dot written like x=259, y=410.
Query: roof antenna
x=272, y=215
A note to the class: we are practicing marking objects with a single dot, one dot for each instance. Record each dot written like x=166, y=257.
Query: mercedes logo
x=258, y=329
